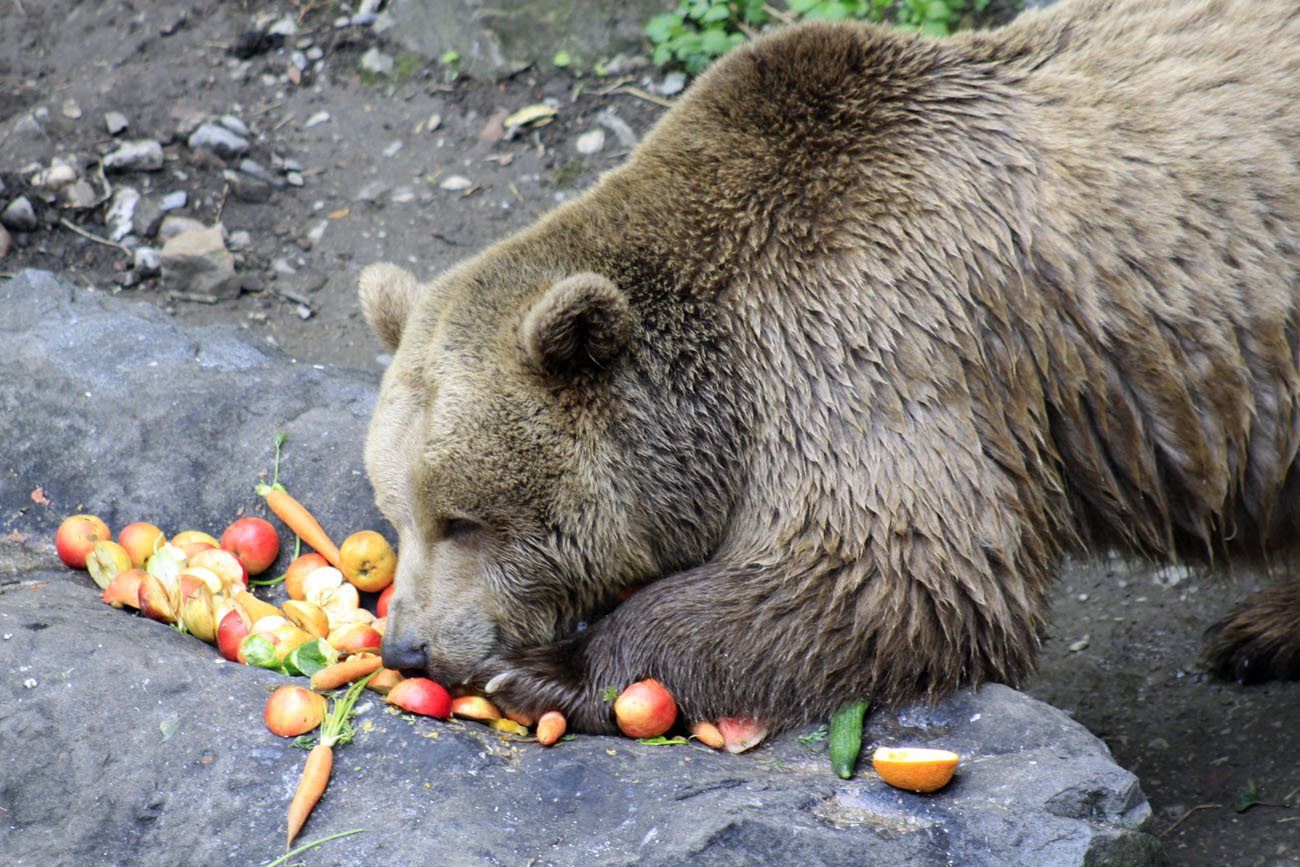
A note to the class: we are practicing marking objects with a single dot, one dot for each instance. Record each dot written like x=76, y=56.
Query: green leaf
x=169, y=726
x=304, y=742
x=715, y=15
x=313, y=656
x=661, y=741
x=660, y=28
x=938, y=10
x=816, y=736
x=934, y=28
x=715, y=42
x=609, y=693
x=449, y=58
x=1246, y=798
x=260, y=652
x=662, y=54
x=561, y=59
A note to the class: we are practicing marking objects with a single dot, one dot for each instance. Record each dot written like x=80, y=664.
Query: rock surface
x=111, y=407
x=198, y=262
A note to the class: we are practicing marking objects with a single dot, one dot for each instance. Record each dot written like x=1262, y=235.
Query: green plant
x=698, y=32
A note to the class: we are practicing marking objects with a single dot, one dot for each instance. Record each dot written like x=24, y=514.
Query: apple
x=105, y=561
x=474, y=707
x=124, y=589
x=421, y=695
x=292, y=711
x=197, y=612
x=381, y=605
x=198, y=575
x=289, y=638
x=384, y=680
x=306, y=616
x=233, y=575
x=193, y=548
x=254, y=542
x=645, y=710
x=140, y=540
x=325, y=587
x=232, y=625
x=740, y=733
x=367, y=561
x=157, y=602
x=355, y=638
x=76, y=536
x=256, y=608
x=299, y=570
x=380, y=625
x=186, y=537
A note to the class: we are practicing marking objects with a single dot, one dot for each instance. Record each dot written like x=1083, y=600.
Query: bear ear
x=388, y=293
x=582, y=323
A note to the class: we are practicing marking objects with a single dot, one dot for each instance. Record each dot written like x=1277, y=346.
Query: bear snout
x=445, y=649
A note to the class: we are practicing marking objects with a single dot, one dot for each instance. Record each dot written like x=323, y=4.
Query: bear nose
x=404, y=652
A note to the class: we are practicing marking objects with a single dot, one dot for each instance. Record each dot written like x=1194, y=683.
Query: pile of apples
x=201, y=585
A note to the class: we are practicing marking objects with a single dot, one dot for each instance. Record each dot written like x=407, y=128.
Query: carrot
x=295, y=514
x=334, y=676
x=334, y=730
x=550, y=728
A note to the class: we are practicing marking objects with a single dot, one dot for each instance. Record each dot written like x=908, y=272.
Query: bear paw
x=533, y=681
x=1259, y=639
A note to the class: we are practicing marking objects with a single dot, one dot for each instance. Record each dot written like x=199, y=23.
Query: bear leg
x=1259, y=639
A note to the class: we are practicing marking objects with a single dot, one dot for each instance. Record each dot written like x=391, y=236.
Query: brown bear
x=867, y=334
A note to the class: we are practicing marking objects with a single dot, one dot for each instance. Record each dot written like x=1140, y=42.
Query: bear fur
x=868, y=333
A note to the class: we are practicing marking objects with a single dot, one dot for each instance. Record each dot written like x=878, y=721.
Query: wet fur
x=909, y=319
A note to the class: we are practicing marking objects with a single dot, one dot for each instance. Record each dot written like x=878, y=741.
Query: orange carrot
x=300, y=521
x=550, y=728
x=707, y=733
x=315, y=776
x=334, y=729
x=334, y=676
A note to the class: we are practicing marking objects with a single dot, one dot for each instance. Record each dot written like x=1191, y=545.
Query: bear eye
x=457, y=529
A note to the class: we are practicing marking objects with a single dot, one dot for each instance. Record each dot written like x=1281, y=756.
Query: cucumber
x=846, y=736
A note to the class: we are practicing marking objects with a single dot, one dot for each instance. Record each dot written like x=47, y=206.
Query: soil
x=372, y=179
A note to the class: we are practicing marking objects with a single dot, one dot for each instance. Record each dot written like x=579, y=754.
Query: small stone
x=198, y=262
x=402, y=195
x=234, y=124
x=145, y=155
x=673, y=83
x=316, y=119
x=121, y=213
x=455, y=183
x=147, y=262
x=1081, y=644
x=174, y=201
x=247, y=188
x=377, y=62
x=115, y=122
x=29, y=683
x=28, y=127
x=372, y=192
x=240, y=240
x=5, y=242
x=19, y=215
x=79, y=194
x=299, y=60
x=218, y=139
x=1082, y=597
x=284, y=28
x=293, y=179
x=254, y=169
x=174, y=224
x=70, y=109
x=56, y=177
x=317, y=232
x=392, y=148
x=315, y=53
x=590, y=142
x=282, y=268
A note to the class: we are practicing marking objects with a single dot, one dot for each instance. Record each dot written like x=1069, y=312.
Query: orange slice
x=916, y=770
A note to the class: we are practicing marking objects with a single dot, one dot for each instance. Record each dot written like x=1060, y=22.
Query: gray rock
x=234, y=124
x=256, y=170
x=5, y=242
x=19, y=215
x=376, y=62
x=146, y=262
x=246, y=188
x=59, y=175
x=372, y=192
x=71, y=109
x=673, y=83
x=240, y=240
x=143, y=155
x=316, y=119
x=120, y=218
x=147, y=219
x=590, y=142
x=173, y=201
x=79, y=195
x=494, y=44
x=159, y=746
x=115, y=122
x=218, y=139
x=174, y=224
x=198, y=263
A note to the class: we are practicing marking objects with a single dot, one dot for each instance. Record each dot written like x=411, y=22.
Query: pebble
x=240, y=240
x=147, y=218
x=315, y=53
x=174, y=201
x=115, y=122
x=28, y=127
x=293, y=179
x=672, y=84
x=254, y=169
x=79, y=194
x=29, y=683
x=218, y=139
x=174, y=224
x=70, y=109
x=145, y=155
x=615, y=124
x=18, y=215
x=199, y=262
x=590, y=142
x=299, y=60
x=1081, y=644
x=56, y=177
x=284, y=28
x=234, y=124
x=402, y=195
x=121, y=213
x=455, y=183
x=377, y=62
x=5, y=242
x=247, y=188
x=282, y=268
x=147, y=261
x=392, y=148
x=316, y=119
x=317, y=232
x=372, y=192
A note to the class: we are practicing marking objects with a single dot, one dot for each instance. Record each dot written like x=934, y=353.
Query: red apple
x=254, y=542
x=197, y=611
x=299, y=570
x=193, y=548
x=645, y=710
x=421, y=695
x=741, y=733
x=106, y=561
x=157, y=602
x=124, y=589
x=474, y=707
x=381, y=606
x=140, y=540
x=186, y=537
x=233, y=575
x=356, y=638
x=77, y=535
x=292, y=711
x=232, y=626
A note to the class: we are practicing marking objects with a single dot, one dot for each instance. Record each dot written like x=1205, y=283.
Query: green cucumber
x=846, y=736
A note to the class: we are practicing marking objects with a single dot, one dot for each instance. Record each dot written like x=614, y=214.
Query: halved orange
x=915, y=769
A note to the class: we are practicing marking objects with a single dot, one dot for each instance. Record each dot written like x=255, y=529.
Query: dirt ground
x=1121, y=654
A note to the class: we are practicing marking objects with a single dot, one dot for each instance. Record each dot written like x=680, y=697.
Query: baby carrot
x=334, y=676
x=334, y=729
x=550, y=728
x=299, y=520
